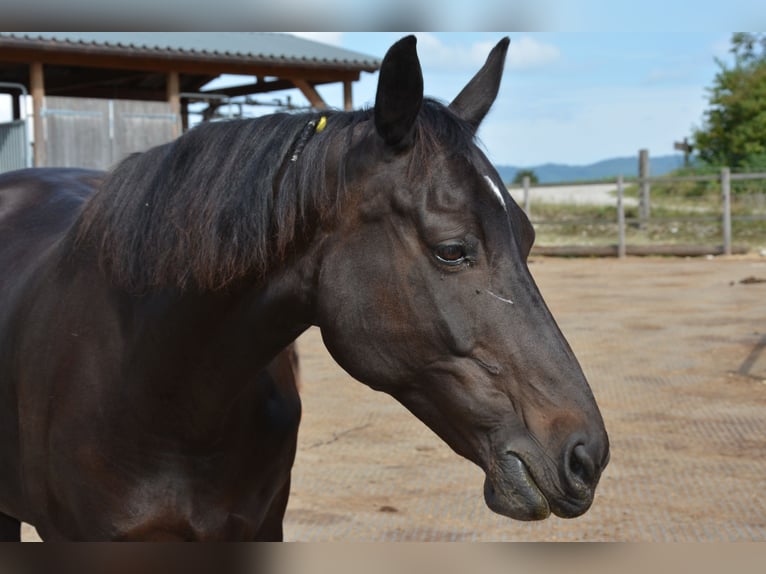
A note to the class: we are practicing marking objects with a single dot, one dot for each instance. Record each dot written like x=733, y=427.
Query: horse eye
x=451, y=254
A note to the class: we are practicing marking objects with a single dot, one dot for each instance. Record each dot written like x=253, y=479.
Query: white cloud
x=526, y=53
x=334, y=38
x=436, y=54
x=667, y=76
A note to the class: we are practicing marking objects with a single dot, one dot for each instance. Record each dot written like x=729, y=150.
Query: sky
x=566, y=97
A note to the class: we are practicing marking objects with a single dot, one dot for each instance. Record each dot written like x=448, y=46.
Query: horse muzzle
x=512, y=489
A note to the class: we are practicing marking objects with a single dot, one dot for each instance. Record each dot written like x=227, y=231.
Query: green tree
x=748, y=47
x=734, y=128
x=518, y=179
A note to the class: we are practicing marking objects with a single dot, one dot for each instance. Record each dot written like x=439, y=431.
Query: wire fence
x=643, y=217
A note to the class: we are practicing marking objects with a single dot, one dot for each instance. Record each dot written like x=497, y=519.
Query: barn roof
x=253, y=48
x=137, y=65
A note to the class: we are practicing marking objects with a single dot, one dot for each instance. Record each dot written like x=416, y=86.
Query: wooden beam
x=84, y=79
x=194, y=83
x=102, y=83
x=135, y=93
x=110, y=93
x=125, y=60
x=37, y=87
x=255, y=88
x=174, y=99
x=311, y=94
x=348, y=103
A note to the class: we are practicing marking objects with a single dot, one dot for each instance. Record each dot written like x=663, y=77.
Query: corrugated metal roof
x=257, y=47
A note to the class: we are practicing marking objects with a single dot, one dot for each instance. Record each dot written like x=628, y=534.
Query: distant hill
x=608, y=168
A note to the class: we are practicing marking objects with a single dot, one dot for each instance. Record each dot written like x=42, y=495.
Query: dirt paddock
x=675, y=351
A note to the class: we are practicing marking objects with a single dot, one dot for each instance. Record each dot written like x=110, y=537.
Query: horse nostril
x=581, y=465
x=580, y=469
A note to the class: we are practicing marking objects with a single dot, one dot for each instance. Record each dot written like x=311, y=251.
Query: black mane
x=225, y=200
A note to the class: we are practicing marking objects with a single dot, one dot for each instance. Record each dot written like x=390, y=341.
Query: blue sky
x=566, y=97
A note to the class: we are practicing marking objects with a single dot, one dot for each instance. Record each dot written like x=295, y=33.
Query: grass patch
x=686, y=212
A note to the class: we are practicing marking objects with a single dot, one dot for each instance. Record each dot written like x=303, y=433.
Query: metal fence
x=93, y=133
x=14, y=147
x=621, y=248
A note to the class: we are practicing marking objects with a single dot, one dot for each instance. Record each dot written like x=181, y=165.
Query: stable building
x=98, y=96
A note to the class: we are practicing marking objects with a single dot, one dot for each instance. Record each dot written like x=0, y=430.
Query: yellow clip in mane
x=321, y=125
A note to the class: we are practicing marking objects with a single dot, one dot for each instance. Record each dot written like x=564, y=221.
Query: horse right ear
x=400, y=93
x=475, y=99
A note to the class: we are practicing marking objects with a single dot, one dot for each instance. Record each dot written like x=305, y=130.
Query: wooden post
x=348, y=103
x=37, y=85
x=311, y=94
x=726, y=192
x=527, y=198
x=184, y=115
x=174, y=99
x=643, y=173
x=620, y=219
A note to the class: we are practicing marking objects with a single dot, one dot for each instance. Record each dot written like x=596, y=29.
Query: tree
x=734, y=128
x=745, y=46
x=518, y=179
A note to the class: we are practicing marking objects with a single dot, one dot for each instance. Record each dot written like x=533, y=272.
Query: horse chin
x=510, y=490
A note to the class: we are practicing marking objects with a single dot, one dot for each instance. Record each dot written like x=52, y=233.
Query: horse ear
x=400, y=93
x=475, y=99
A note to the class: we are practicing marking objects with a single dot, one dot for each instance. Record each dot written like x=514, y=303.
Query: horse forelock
x=439, y=130
x=225, y=201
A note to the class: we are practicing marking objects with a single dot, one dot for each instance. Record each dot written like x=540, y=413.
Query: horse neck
x=201, y=351
x=238, y=330
x=190, y=336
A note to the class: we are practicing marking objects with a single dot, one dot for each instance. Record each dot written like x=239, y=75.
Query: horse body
x=146, y=396
x=145, y=389
x=34, y=214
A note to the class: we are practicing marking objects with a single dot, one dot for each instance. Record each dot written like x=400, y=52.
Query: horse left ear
x=475, y=99
x=400, y=93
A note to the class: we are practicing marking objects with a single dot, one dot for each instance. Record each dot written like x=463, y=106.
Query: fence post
x=726, y=192
x=643, y=174
x=620, y=219
x=173, y=87
x=527, y=199
x=37, y=89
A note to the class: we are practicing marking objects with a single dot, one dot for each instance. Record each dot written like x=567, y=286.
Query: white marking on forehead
x=503, y=299
x=496, y=191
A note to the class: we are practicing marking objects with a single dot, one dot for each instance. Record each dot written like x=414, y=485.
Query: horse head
x=425, y=294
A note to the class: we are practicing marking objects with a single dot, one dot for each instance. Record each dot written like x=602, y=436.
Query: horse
x=147, y=386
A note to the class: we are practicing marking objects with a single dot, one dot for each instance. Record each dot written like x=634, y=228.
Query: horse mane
x=226, y=199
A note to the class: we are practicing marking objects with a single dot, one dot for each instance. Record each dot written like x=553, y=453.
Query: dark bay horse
x=145, y=390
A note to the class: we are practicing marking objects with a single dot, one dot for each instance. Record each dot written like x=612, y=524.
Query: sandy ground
x=675, y=351
x=587, y=194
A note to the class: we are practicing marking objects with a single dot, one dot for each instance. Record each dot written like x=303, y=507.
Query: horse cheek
x=361, y=314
